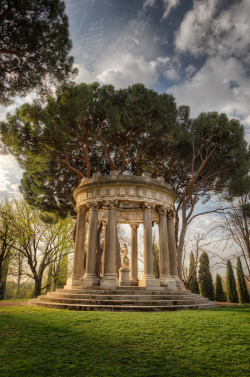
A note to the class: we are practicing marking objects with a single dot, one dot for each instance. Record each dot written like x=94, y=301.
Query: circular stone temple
x=124, y=199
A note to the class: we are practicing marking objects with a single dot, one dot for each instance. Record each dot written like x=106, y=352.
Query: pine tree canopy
x=87, y=128
x=205, y=278
x=34, y=46
x=232, y=295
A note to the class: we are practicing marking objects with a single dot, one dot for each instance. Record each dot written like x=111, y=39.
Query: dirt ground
x=13, y=303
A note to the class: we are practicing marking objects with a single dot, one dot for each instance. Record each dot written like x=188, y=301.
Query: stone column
x=134, y=255
x=90, y=278
x=79, y=250
x=148, y=279
x=173, y=280
x=109, y=279
x=164, y=257
x=105, y=228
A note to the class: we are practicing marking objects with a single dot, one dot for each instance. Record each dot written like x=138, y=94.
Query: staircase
x=123, y=299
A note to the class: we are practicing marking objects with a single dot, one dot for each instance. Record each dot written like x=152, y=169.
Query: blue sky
x=197, y=50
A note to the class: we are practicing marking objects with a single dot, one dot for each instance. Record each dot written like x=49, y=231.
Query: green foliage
x=49, y=278
x=83, y=129
x=242, y=287
x=62, y=272
x=205, y=278
x=4, y=274
x=34, y=46
x=219, y=293
x=39, y=243
x=232, y=295
x=7, y=239
x=192, y=282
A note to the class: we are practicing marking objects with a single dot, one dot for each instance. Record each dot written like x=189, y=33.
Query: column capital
x=134, y=226
x=162, y=210
x=148, y=206
x=81, y=209
x=171, y=214
x=94, y=205
x=112, y=203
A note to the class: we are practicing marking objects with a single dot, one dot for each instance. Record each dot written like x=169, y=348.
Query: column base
x=149, y=281
x=163, y=281
x=109, y=282
x=134, y=282
x=73, y=282
x=174, y=283
x=90, y=281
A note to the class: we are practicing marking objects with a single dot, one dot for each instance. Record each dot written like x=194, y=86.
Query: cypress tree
x=219, y=293
x=205, y=278
x=232, y=295
x=242, y=287
x=192, y=283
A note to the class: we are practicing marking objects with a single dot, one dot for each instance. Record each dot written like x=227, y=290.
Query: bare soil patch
x=13, y=303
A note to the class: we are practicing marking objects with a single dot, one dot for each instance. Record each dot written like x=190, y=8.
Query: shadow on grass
x=38, y=342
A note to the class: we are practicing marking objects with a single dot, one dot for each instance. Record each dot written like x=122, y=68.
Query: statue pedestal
x=124, y=276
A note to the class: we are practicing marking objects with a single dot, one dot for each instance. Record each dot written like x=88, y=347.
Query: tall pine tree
x=219, y=293
x=205, y=278
x=232, y=295
x=242, y=287
x=192, y=276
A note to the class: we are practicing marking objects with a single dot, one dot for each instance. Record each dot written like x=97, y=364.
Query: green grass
x=42, y=342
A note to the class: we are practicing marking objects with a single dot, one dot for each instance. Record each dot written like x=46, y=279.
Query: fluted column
x=109, y=279
x=173, y=280
x=134, y=255
x=90, y=278
x=79, y=249
x=148, y=279
x=105, y=227
x=164, y=257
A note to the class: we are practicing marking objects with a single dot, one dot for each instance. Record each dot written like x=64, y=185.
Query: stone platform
x=123, y=299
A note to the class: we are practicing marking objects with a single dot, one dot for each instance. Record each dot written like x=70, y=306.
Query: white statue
x=125, y=258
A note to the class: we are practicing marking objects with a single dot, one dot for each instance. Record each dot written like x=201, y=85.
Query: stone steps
x=122, y=299
x=121, y=302
x=122, y=292
x=54, y=296
x=123, y=308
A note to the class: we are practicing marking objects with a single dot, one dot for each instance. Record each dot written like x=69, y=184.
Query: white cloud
x=168, y=5
x=10, y=176
x=128, y=70
x=220, y=85
x=207, y=31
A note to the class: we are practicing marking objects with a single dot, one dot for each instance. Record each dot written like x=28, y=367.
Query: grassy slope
x=43, y=342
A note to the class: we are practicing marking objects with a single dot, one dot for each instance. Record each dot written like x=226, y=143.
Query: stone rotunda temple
x=133, y=200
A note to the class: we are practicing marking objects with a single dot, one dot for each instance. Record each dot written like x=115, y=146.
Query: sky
x=197, y=50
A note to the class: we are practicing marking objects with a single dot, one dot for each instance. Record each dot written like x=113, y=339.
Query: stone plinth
x=124, y=277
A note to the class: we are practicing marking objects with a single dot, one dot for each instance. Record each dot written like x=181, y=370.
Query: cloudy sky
x=197, y=50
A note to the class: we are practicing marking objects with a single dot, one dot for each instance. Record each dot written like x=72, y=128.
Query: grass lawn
x=46, y=342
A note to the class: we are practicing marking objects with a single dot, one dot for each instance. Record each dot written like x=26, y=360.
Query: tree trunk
x=181, y=241
x=37, y=288
x=19, y=276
